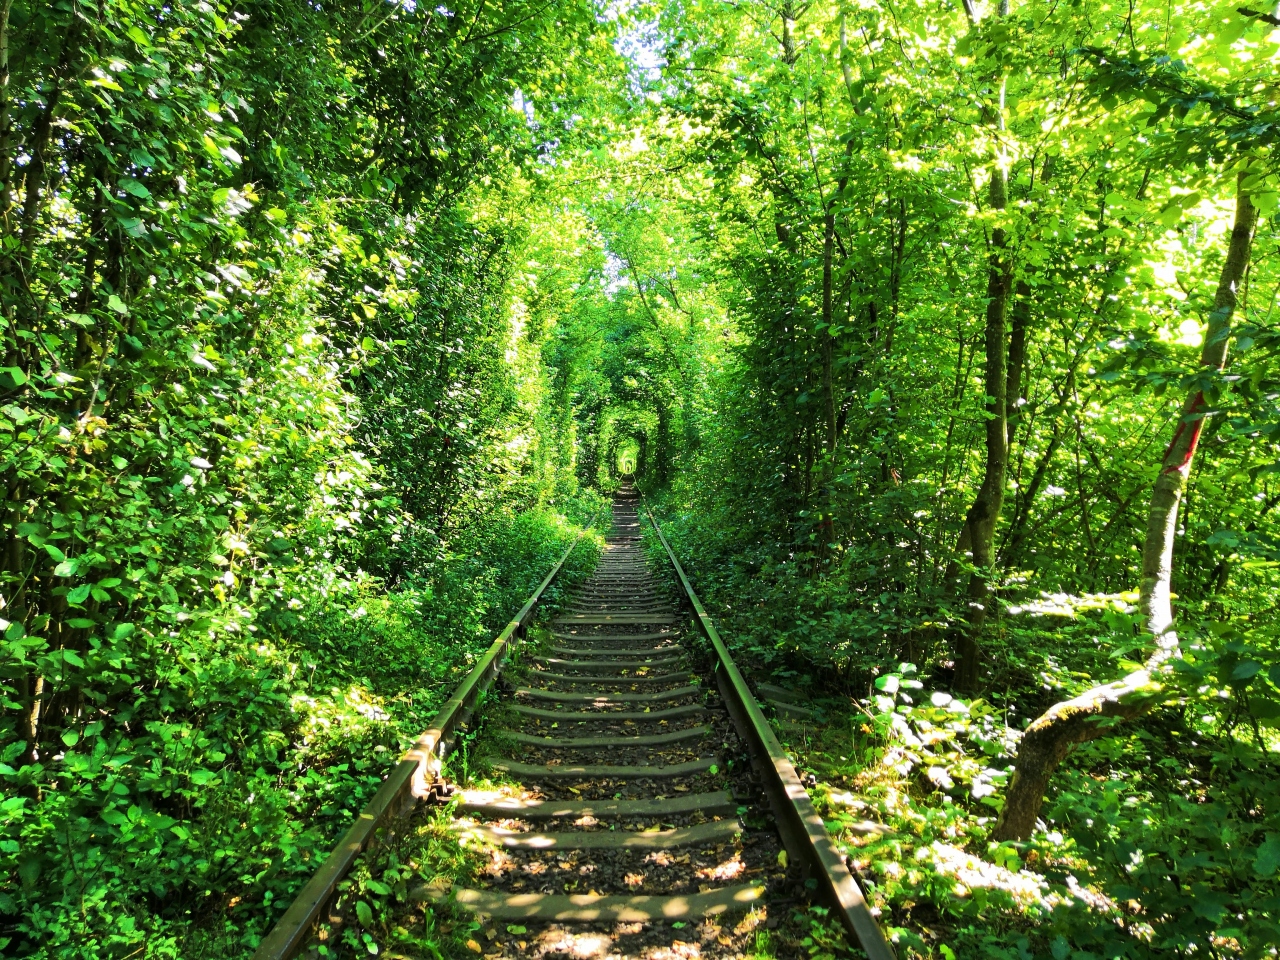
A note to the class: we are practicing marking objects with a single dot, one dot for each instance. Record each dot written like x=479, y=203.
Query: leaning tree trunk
x=1050, y=738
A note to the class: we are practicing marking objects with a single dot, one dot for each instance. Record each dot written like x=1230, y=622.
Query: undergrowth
x=1161, y=839
x=1136, y=857
x=191, y=818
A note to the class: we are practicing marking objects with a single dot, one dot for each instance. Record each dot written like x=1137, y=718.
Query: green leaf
x=11, y=377
x=1267, y=860
x=138, y=37
x=365, y=913
x=67, y=568
x=118, y=305
x=79, y=594
x=1266, y=202
x=15, y=631
x=29, y=870
x=135, y=187
x=1246, y=670
x=70, y=737
x=515, y=929
x=1263, y=708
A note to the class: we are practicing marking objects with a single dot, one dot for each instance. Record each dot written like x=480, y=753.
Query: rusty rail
x=400, y=792
x=803, y=832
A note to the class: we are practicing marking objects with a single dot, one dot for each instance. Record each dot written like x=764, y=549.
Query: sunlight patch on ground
x=1071, y=605
x=970, y=873
x=580, y=946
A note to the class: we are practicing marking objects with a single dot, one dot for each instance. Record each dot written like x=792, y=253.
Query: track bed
x=630, y=823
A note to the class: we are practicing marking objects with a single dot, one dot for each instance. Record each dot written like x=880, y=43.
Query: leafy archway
x=627, y=458
x=625, y=442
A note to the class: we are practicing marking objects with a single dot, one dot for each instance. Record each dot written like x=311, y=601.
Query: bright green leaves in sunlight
x=324, y=324
x=857, y=186
x=276, y=457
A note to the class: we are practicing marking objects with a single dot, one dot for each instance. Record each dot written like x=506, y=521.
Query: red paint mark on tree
x=1196, y=426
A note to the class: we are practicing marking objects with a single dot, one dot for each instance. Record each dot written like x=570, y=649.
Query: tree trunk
x=985, y=513
x=1162, y=520
x=1050, y=738
x=829, y=347
x=1021, y=323
x=788, y=15
x=828, y=341
x=6, y=123
x=1046, y=743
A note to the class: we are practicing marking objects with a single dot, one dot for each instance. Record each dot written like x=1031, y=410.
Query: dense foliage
x=943, y=335
x=272, y=455
x=992, y=397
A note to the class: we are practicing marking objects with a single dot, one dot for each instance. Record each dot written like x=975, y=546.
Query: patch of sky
x=640, y=43
x=615, y=273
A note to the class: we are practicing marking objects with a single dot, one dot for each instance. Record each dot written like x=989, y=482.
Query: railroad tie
x=619, y=750
x=711, y=832
x=607, y=666
x=480, y=804
x=633, y=800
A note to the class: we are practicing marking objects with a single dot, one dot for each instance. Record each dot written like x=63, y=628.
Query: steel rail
x=400, y=792
x=803, y=832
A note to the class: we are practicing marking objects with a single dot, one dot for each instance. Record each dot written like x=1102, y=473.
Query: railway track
x=643, y=803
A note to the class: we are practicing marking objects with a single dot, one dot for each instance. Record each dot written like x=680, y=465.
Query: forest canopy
x=942, y=335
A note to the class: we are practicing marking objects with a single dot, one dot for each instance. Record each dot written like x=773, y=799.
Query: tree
x=1049, y=739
